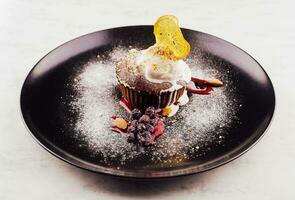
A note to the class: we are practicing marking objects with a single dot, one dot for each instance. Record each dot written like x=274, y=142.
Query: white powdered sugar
x=198, y=125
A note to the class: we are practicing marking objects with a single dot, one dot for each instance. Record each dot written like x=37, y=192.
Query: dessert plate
x=70, y=94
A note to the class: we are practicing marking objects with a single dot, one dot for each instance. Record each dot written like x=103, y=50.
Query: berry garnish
x=142, y=129
x=151, y=112
x=135, y=113
x=154, y=121
x=131, y=138
x=144, y=119
x=131, y=129
x=134, y=123
x=159, y=128
x=150, y=128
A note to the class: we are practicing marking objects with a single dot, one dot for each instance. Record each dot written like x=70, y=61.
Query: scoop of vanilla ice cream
x=159, y=69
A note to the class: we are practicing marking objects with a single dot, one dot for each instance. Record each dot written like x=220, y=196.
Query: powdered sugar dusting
x=199, y=125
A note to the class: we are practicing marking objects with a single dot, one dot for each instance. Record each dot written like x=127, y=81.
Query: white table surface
x=30, y=29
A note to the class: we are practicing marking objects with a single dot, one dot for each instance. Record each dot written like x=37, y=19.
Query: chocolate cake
x=141, y=92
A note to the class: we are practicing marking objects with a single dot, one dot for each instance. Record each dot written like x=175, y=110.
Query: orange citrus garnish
x=169, y=35
x=166, y=111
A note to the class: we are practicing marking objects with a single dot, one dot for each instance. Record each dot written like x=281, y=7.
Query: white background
x=30, y=29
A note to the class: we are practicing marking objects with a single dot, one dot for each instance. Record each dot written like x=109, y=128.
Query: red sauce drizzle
x=202, y=84
x=126, y=104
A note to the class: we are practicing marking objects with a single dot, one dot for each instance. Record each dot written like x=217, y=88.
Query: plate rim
x=137, y=174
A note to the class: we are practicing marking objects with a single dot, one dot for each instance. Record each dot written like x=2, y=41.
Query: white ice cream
x=158, y=69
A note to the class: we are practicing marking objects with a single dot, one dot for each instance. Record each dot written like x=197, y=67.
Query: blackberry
x=144, y=119
x=136, y=113
x=144, y=134
x=154, y=121
x=151, y=112
x=150, y=128
x=131, y=138
x=145, y=138
x=131, y=129
x=141, y=127
x=134, y=123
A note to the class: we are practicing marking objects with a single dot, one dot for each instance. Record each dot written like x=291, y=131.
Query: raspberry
x=159, y=128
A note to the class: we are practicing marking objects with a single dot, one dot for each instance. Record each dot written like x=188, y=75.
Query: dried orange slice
x=169, y=35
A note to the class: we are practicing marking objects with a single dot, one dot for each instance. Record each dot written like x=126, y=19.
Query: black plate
x=47, y=117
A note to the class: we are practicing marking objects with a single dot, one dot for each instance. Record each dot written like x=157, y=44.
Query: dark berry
x=154, y=121
x=131, y=129
x=136, y=113
x=145, y=142
x=150, y=128
x=145, y=138
x=150, y=111
x=131, y=138
x=141, y=127
x=145, y=135
x=144, y=119
x=134, y=123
